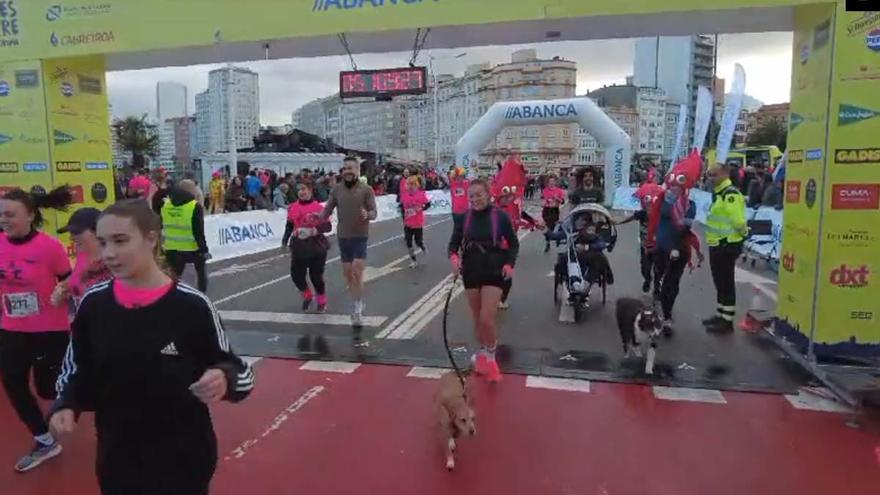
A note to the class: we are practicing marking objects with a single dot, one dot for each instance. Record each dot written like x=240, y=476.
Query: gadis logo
x=850, y=277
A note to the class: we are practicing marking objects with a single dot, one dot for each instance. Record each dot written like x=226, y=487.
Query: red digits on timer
x=354, y=83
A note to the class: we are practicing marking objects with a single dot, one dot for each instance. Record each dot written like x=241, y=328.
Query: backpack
x=493, y=215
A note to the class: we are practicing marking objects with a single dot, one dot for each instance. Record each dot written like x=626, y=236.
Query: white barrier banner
x=441, y=203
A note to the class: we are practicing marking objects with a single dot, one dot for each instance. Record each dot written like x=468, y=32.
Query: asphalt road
x=261, y=310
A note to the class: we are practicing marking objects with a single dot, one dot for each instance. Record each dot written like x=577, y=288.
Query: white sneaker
x=413, y=264
x=503, y=305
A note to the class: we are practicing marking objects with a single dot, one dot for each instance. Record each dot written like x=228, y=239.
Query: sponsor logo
x=540, y=111
x=855, y=196
x=805, y=53
x=88, y=139
x=60, y=73
x=810, y=194
x=97, y=166
x=822, y=34
x=851, y=238
x=851, y=114
x=794, y=121
x=31, y=140
x=61, y=137
x=35, y=167
x=618, y=167
x=9, y=26
x=67, y=89
x=53, y=13
x=814, y=154
x=90, y=85
x=788, y=262
x=325, y=5
x=68, y=166
x=861, y=315
x=59, y=12
x=38, y=189
x=793, y=191
x=796, y=156
x=76, y=39
x=872, y=40
x=8, y=167
x=235, y=234
x=99, y=192
x=857, y=155
x=27, y=78
x=850, y=277
x=863, y=23
x=5, y=139
x=4, y=88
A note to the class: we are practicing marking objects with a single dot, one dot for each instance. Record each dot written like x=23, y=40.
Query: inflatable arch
x=582, y=111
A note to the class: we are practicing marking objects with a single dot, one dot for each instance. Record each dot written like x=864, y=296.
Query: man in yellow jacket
x=726, y=230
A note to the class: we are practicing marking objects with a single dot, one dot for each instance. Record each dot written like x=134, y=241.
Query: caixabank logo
x=325, y=5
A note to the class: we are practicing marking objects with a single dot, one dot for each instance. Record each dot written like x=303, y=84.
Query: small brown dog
x=455, y=413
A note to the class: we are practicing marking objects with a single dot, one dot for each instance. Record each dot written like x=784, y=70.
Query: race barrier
x=231, y=235
x=764, y=246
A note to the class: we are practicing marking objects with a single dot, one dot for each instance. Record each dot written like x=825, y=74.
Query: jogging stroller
x=762, y=243
x=574, y=279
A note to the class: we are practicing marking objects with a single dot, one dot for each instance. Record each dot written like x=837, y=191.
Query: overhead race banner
x=40, y=29
x=804, y=176
x=79, y=131
x=731, y=114
x=849, y=277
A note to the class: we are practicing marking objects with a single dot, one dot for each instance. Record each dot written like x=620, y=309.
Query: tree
x=770, y=132
x=138, y=137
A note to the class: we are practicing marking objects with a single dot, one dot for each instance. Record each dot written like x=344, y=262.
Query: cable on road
x=455, y=367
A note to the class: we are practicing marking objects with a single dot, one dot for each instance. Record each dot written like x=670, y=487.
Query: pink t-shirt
x=28, y=275
x=413, y=202
x=86, y=273
x=138, y=297
x=139, y=184
x=553, y=197
x=458, y=191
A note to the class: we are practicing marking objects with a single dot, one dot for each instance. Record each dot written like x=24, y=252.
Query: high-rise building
x=678, y=65
x=358, y=124
x=203, y=122
x=322, y=117
x=171, y=100
x=648, y=138
x=234, y=89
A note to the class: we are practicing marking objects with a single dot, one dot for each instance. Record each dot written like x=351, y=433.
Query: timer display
x=383, y=82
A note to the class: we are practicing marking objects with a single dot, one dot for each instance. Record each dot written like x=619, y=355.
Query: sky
x=285, y=85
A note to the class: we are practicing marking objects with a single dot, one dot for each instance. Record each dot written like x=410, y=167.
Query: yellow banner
x=38, y=29
x=849, y=282
x=24, y=148
x=806, y=163
x=79, y=130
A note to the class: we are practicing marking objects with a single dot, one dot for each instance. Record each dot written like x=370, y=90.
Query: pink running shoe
x=493, y=372
x=481, y=364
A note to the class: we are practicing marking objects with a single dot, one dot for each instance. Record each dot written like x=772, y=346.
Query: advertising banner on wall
x=806, y=163
x=24, y=149
x=79, y=131
x=849, y=281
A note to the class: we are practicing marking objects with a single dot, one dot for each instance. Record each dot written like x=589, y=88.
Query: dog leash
x=455, y=367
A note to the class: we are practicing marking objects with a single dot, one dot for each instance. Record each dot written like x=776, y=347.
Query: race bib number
x=410, y=212
x=21, y=305
x=304, y=233
x=459, y=191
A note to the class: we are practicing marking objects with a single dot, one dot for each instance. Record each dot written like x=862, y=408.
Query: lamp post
x=230, y=114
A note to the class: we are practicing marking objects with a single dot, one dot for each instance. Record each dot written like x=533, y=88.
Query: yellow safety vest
x=177, y=228
x=726, y=221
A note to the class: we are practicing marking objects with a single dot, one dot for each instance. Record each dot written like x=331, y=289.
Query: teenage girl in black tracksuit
x=147, y=354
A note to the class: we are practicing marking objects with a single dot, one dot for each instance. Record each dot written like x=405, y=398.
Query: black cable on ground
x=455, y=367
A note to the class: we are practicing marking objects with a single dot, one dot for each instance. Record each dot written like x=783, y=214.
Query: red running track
x=373, y=432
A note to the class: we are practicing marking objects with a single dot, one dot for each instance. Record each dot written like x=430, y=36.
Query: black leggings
x=410, y=233
x=22, y=352
x=646, y=262
x=178, y=260
x=313, y=263
x=669, y=273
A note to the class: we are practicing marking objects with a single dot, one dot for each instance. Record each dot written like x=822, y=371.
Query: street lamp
x=230, y=114
x=431, y=59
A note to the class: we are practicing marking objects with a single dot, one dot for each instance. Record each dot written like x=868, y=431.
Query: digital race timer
x=383, y=82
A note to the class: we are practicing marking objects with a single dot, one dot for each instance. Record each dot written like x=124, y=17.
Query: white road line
x=251, y=360
x=233, y=269
x=565, y=384
x=372, y=273
x=403, y=317
x=299, y=318
x=241, y=450
x=763, y=289
x=424, y=372
x=807, y=401
x=566, y=310
x=330, y=366
x=746, y=277
x=286, y=277
x=689, y=395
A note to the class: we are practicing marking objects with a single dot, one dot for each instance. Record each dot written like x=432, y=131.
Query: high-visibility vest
x=726, y=220
x=177, y=228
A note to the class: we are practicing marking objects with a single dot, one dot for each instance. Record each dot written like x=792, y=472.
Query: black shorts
x=550, y=215
x=482, y=270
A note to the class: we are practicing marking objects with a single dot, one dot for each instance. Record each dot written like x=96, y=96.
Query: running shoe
x=493, y=372
x=307, y=303
x=413, y=264
x=481, y=363
x=322, y=308
x=356, y=320
x=40, y=454
x=322, y=303
x=503, y=305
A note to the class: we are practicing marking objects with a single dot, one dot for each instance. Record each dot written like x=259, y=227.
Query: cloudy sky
x=285, y=85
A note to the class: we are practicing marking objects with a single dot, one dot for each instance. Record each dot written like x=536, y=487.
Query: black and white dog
x=639, y=325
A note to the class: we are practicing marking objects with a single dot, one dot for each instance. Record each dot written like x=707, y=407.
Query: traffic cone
x=756, y=318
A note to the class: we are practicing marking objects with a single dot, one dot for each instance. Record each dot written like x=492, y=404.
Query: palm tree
x=138, y=137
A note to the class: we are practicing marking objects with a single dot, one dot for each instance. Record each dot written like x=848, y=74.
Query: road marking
x=807, y=401
x=241, y=450
x=565, y=384
x=551, y=274
x=747, y=277
x=299, y=318
x=403, y=317
x=424, y=372
x=372, y=273
x=689, y=395
x=763, y=289
x=286, y=277
x=233, y=269
x=330, y=366
x=251, y=360
x=566, y=310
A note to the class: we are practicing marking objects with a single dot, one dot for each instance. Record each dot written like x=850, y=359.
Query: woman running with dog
x=308, y=249
x=483, y=249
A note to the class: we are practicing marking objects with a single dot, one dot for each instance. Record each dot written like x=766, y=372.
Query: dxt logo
x=845, y=276
x=788, y=262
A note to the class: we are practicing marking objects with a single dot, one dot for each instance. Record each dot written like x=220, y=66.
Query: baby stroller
x=572, y=277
